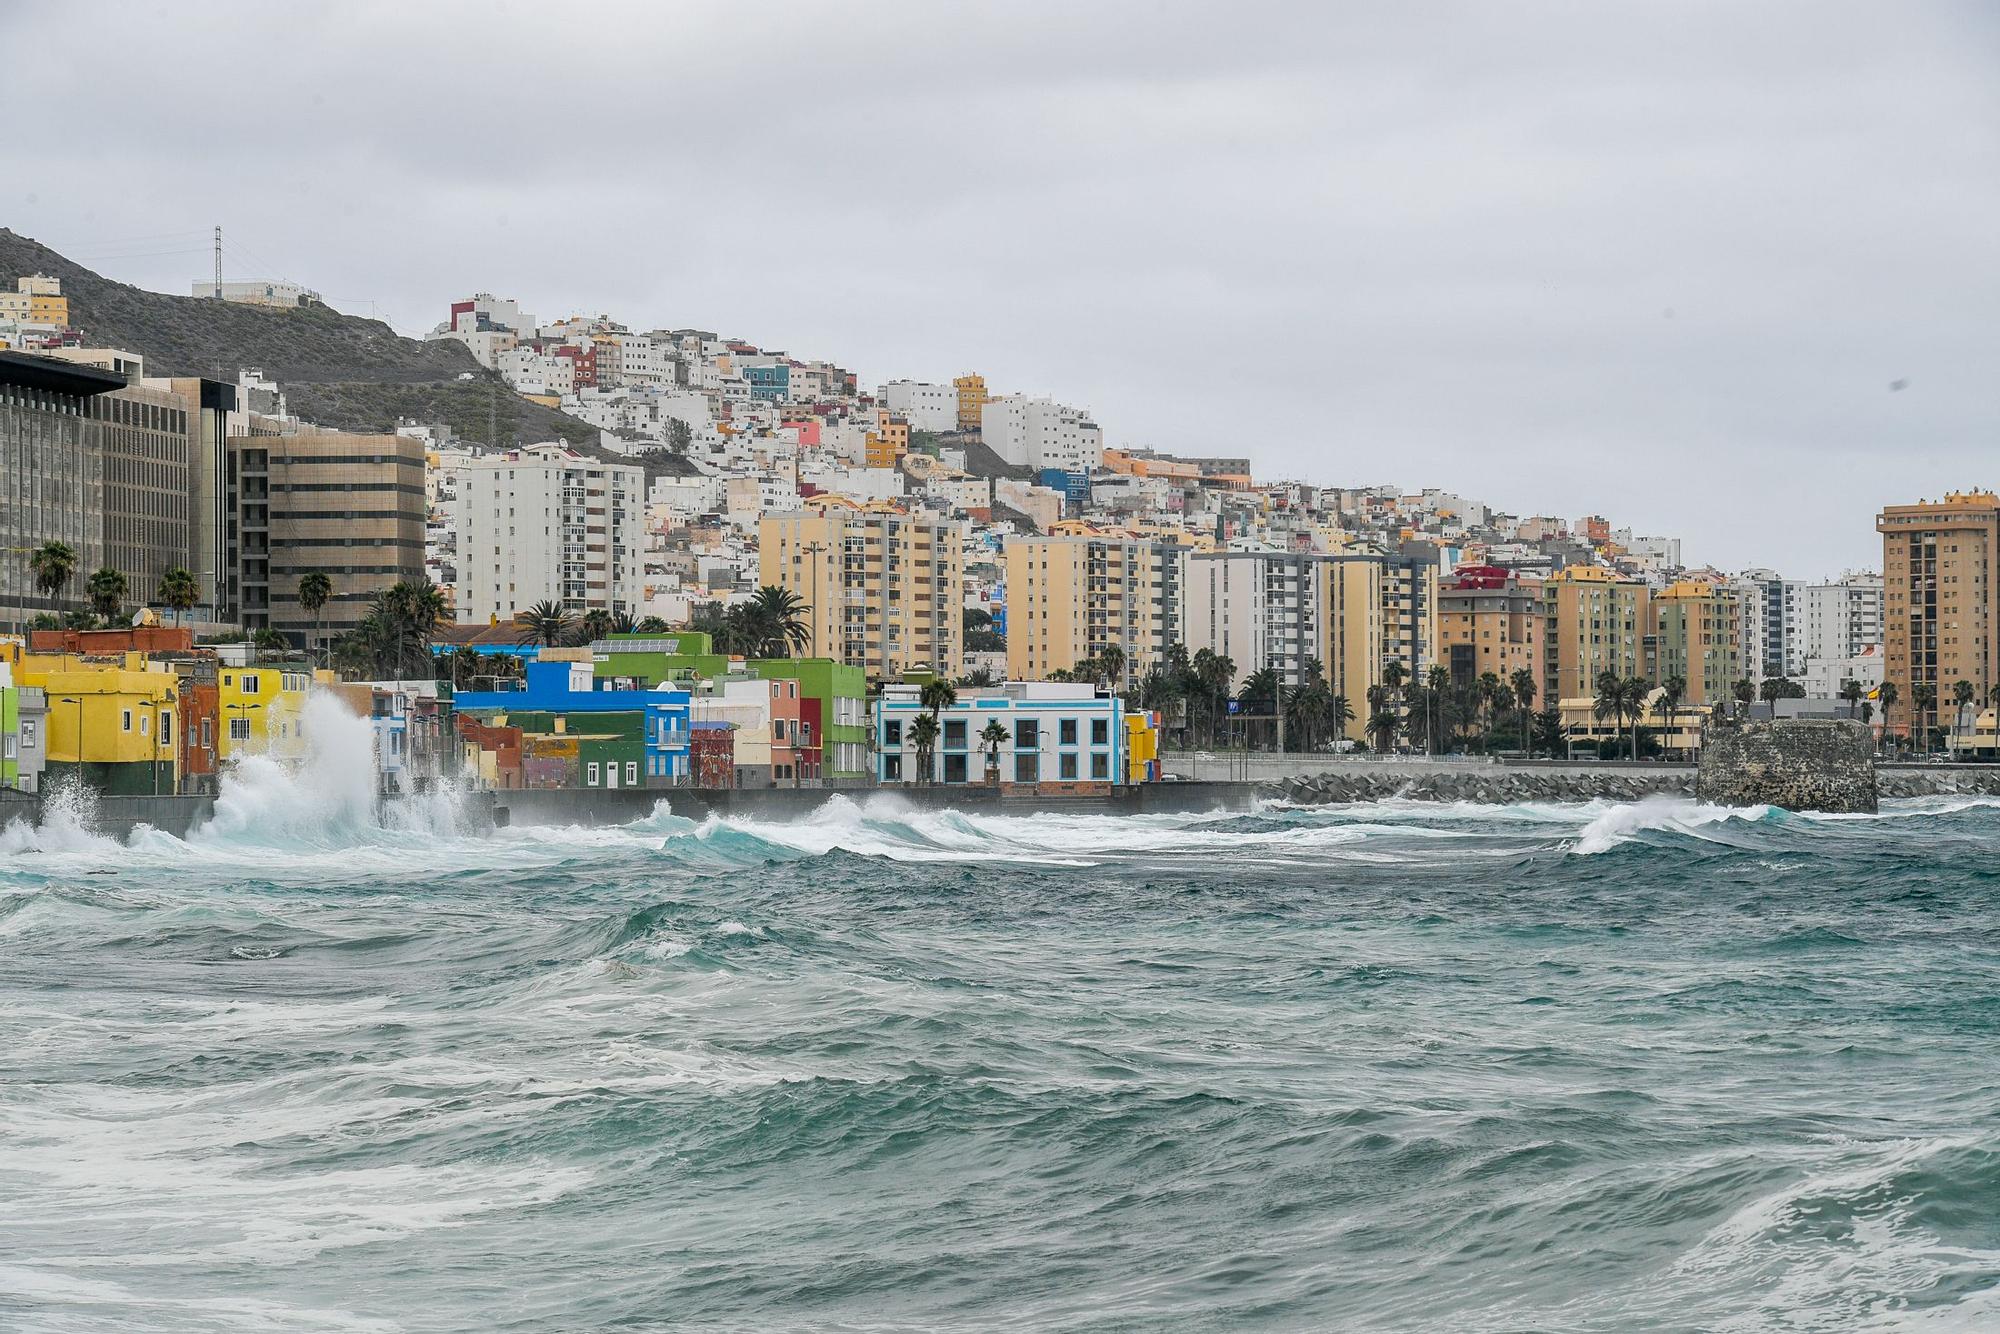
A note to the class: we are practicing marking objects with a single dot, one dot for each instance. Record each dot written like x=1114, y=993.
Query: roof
x=62, y=377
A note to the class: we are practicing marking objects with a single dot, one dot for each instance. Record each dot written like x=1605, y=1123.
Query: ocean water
x=1392, y=1067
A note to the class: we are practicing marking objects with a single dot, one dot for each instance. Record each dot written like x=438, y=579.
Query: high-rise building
x=1939, y=575
x=1259, y=609
x=1079, y=591
x=94, y=460
x=1831, y=620
x=1376, y=608
x=884, y=587
x=1761, y=622
x=1036, y=433
x=927, y=407
x=545, y=524
x=306, y=501
x=1597, y=622
x=1490, y=620
x=1694, y=637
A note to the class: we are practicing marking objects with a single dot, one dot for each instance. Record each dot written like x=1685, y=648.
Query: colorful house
x=261, y=711
x=561, y=699
x=833, y=708
x=23, y=731
x=115, y=725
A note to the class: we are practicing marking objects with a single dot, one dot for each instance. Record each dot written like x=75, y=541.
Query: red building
x=712, y=754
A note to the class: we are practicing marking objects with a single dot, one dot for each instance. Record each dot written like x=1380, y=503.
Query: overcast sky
x=1660, y=262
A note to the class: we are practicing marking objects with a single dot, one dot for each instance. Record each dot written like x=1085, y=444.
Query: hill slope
x=337, y=370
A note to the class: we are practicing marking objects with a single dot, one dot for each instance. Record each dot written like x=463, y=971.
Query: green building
x=647, y=660
x=842, y=693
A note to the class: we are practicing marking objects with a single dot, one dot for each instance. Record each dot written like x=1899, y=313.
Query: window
x=1066, y=736
x=892, y=768
x=249, y=683
x=166, y=729
x=125, y=720
x=1068, y=767
x=1100, y=731
x=631, y=773
x=590, y=774
x=954, y=734
x=1028, y=734
x=1100, y=766
x=239, y=729
x=777, y=729
x=207, y=733
x=29, y=726
x=892, y=733
x=145, y=725
x=1027, y=767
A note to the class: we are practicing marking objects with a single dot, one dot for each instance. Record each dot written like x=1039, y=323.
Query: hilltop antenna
x=218, y=262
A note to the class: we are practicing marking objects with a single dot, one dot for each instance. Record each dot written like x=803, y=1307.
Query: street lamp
x=244, y=707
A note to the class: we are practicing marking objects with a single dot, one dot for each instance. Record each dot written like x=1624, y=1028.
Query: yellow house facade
x=259, y=711
x=118, y=722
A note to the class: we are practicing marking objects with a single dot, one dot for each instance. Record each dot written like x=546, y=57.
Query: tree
x=775, y=618
x=546, y=623
x=650, y=625
x=1851, y=691
x=1745, y=691
x=1258, y=695
x=1888, y=694
x=993, y=736
x=1672, y=691
x=592, y=626
x=179, y=591
x=1548, y=730
x=1523, y=682
x=923, y=735
x=1609, y=701
x=979, y=678
x=107, y=590
x=1112, y=660
x=936, y=696
x=1637, y=693
x=1382, y=719
x=1438, y=680
x=680, y=436
x=314, y=591
x=393, y=639
x=52, y=564
x=1922, y=696
x=1962, y=694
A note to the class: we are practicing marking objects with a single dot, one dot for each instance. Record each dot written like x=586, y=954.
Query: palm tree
x=1672, y=691
x=1523, y=682
x=1851, y=691
x=779, y=617
x=993, y=737
x=1439, y=681
x=592, y=626
x=1259, y=694
x=1112, y=659
x=1922, y=696
x=52, y=564
x=923, y=735
x=179, y=591
x=1609, y=702
x=936, y=696
x=546, y=623
x=1745, y=690
x=1382, y=721
x=1637, y=693
x=650, y=625
x=314, y=591
x=107, y=590
x=1962, y=694
x=1887, y=693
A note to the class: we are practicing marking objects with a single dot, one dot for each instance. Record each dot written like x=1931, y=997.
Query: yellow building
x=884, y=588
x=260, y=711
x=1597, y=622
x=118, y=721
x=1079, y=591
x=1940, y=581
x=1491, y=621
x=1142, y=747
x=888, y=442
x=1375, y=609
x=972, y=398
x=1695, y=638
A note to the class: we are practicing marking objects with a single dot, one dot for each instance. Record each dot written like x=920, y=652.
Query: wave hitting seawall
x=1376, y=1066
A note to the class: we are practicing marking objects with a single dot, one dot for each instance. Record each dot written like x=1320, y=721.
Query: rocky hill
x=337, y=370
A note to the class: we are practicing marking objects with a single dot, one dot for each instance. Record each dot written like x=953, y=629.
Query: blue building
x=1075, y=486
x=769, y=384
x=1058, y=732
x=564, y=688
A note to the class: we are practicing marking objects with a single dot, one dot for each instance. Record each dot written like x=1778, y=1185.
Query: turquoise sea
x=1392, y=1067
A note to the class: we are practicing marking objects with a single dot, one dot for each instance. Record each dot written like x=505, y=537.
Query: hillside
x=337, y=370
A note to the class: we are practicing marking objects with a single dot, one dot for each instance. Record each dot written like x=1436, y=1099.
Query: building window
x=249, y=683
x=145, y=725
x=892, y=768
x=125, y=720
x=1027, y=768
x=1100, y=731
x=239, y=729
x=1066, y=736
x=166, y=729
x=631, y=773
x=954, y=768
x=1028, y=734
x=1100, y=766
x=590, y=774
x=1067, y=767
x=954, y=734
x=892, y=733
x=28, y=728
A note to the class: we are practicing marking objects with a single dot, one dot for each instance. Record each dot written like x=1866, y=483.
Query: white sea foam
x=1621, y=824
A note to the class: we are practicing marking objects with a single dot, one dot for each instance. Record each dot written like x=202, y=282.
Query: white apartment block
x=1257, y=608
x=927, y=407
x=544, y=524
x=1036, y=433
x=1831, y=621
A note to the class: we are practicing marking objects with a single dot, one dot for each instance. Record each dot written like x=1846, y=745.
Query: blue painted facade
x=1075, y=486
x=1051, y=738
x=769, y=384
x=569, y=687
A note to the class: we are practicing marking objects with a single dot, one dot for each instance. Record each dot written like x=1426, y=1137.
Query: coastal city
x=693, y=561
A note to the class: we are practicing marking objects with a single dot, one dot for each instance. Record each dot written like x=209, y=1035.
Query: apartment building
x=545, y=524
x=1376, y=608
x=1075, y=593
x=1259, y=609
x=971, y=391
x=927, y=407
x=1597, y=622
x=1490, y=620
x=1036, y=433
x=884, y=587
x=305, y=501
x=1831, y=620
x=1939, y=574
x=1694, y=637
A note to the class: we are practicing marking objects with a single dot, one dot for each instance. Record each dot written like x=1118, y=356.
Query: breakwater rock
x=1799, y=765
x=1492, y=785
